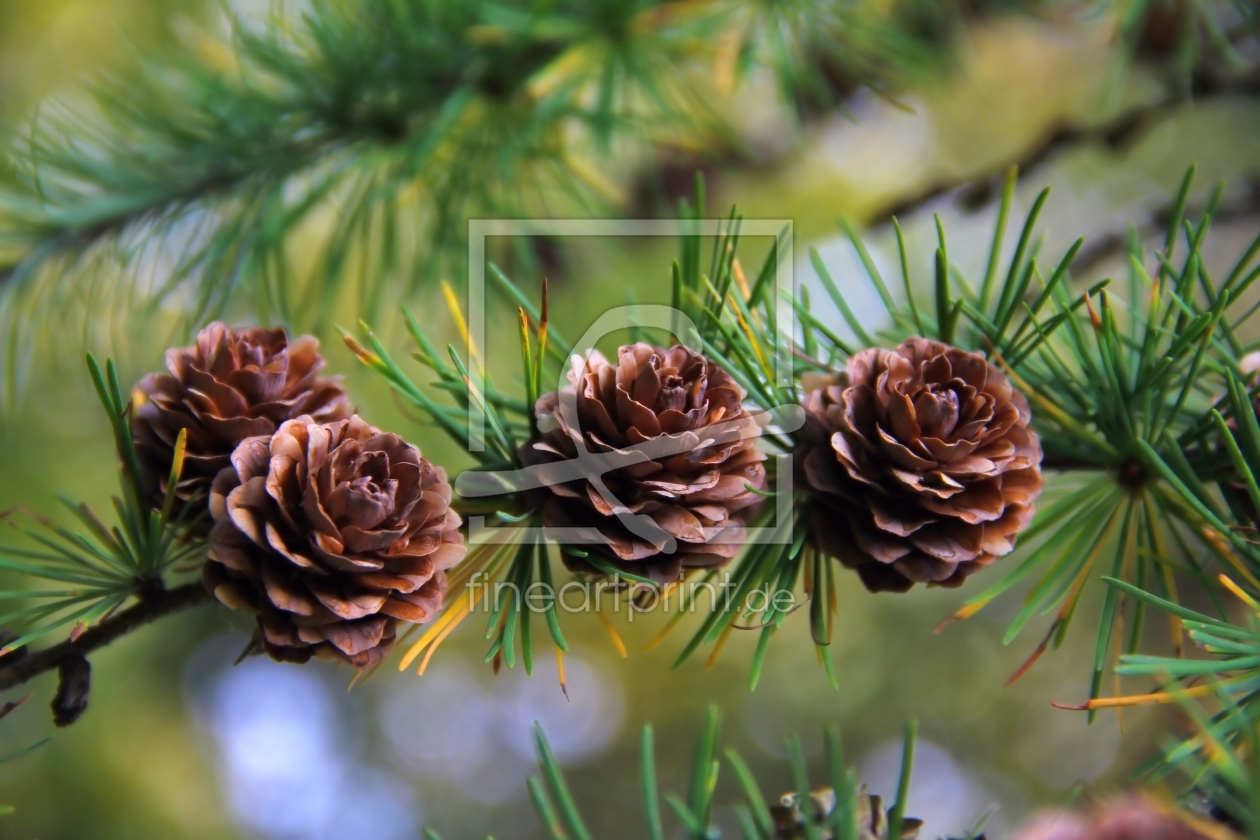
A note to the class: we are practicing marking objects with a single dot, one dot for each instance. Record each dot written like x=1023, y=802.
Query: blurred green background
x=178, y=743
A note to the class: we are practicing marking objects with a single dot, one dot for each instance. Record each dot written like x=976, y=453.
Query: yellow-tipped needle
x=457, y=314
x=564, y=680
x=451, y=617
x=612, y=634
x=1237, y=590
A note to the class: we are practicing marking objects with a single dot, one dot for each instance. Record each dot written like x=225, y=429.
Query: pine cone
x=1128, y=818
x=923, y=467
x=230, y=385
x=697, y=493
x=872, y=818
x=331, y=533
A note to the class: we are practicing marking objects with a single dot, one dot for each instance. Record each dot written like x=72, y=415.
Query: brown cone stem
x=120, y=624
x=74, y=682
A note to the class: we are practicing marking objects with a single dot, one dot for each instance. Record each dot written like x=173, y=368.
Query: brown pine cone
x=230, y=385
x=697, y=493
x=791, y=820
x=331, y=533
x=1128, y=818
x=923, y=467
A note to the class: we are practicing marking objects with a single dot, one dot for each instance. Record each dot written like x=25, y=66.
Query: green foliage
x=1219, y=693
x=95, y=569
x=1124, y=392
x=5, y=709
x=192, y=178
x=1217, y=759
x=1119, y=390
x=1194, y=37
x=1137, y=396
x=327, y=159
x=739, y=328
x=507, y=570
x=561, y=817
x=6, y=809
x=1117, y=386
x=1008, y=313
x=199, y=170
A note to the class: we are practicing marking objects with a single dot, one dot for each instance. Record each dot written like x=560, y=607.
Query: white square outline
x=781, y=230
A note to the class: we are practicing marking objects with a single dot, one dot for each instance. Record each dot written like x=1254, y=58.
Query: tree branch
x=1116, y=134
x=1246, y=206
x=133, y=618
x=1066, y=462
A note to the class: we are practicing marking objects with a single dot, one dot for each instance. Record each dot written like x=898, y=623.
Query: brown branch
x=1060, y=462
x=134, y=617
x=1246, y=206
x=1116, y=134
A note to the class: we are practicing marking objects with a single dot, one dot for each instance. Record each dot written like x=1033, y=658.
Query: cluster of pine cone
x=919, y=461
x=326, y=529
